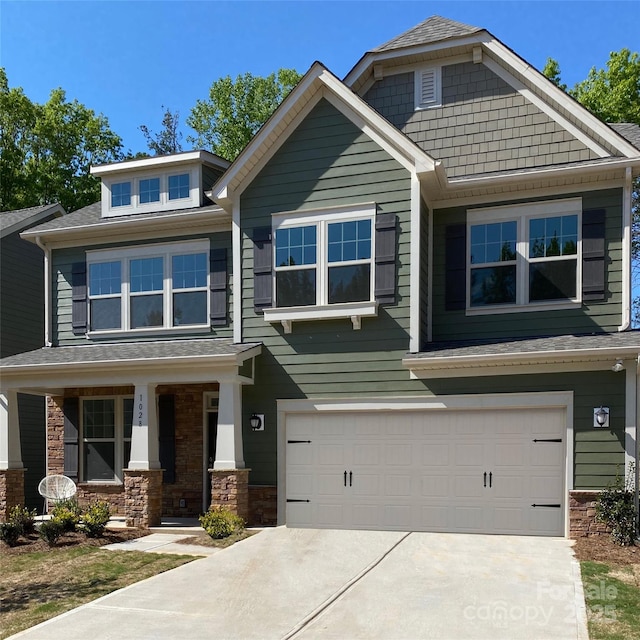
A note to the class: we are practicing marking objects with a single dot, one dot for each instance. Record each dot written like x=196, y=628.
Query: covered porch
x=122, y=416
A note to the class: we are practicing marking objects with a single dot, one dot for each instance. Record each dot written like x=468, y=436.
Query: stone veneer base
x=11, y=491
x=143, y=497
x=230, y=489
x=582, y=515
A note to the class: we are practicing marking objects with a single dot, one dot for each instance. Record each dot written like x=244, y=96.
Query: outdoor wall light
x=601, y=417
x=257, y=421
x=618, y=366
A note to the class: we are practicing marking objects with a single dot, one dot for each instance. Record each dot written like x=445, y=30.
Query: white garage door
x=487, y=471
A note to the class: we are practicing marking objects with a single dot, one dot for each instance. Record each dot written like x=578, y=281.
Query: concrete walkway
x=163, y=543
x=295, y=583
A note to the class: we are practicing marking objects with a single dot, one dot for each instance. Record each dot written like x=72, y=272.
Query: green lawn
x=612, y=596
x=39, y=585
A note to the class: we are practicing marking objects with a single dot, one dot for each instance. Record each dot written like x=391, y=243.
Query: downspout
x=47, y=291
x=626, y=251
x=236, y=239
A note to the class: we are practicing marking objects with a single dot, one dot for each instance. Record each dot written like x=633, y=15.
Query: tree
x=46, y=150
x=168, y=140
x=236, y=109
x=613, y=95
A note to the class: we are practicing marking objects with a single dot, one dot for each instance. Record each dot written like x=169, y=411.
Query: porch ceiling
x=165, y=361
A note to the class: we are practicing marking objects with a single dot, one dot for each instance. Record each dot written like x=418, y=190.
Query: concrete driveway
x=297, y=583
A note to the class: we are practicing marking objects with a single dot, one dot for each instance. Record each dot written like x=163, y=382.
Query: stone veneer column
x=143, y=497
x=230, y=489
x=582, y=515
x=11, y=491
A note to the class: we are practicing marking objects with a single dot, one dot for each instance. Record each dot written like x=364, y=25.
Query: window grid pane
x=146, y=274
x=150, y=190
x=99, y=418
x=121, y=194
x=494, y=242
x=104, y=278
x=554, y=236
x=296, y=246
x=179, y=186
x=349, y=241
x=189, y=271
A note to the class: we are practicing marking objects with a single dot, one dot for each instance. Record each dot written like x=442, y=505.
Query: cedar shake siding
x=483, y=125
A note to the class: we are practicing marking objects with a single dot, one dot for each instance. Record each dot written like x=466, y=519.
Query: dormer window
x=428, y=87
x=149, y=190
x=121, y=194
x=179, y=186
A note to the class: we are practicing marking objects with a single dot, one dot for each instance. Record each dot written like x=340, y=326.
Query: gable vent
x=427, y=87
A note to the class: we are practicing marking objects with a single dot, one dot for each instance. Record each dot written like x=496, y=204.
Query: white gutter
x=626, y=251
x=47, y=291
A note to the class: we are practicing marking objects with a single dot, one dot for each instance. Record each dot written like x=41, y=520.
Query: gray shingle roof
x=131, y=351
x=622, y=340
x=91, y=215
x=629, y=131
x=20, y=218
x=433, y=29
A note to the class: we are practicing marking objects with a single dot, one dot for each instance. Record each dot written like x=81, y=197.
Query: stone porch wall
x=263, y=505
x=11, y=491
x=582, y=515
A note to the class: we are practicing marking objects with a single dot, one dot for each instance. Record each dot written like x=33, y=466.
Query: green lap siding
x=591, y=317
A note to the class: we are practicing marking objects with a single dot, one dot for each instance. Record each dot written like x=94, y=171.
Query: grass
x=39, y=585
x=612, y=596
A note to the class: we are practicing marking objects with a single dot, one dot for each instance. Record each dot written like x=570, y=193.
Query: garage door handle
x=547, y=439
x=553, y=506
x=485, y=478
x=350, y=478
x=345, y=478
x=490, y=476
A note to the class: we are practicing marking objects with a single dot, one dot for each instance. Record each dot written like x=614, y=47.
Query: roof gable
x=19, y=219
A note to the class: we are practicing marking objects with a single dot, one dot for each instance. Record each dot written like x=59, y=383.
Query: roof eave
x=56, y=210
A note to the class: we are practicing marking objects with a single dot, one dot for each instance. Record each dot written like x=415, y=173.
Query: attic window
x=428, y=87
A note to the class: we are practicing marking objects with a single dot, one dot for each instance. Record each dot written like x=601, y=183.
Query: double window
x=106, y=438
x=323, y=259
x=524, y=254
x=160, y=286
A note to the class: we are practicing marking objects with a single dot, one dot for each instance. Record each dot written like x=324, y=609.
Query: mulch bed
x=33, y=542
x=603, y=549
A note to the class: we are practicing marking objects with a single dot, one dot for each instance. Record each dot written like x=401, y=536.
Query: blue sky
x=127, y=59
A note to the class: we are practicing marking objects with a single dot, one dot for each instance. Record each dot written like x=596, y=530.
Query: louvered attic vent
x=427, y=87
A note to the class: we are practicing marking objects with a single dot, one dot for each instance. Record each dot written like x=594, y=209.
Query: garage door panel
x=426, y=470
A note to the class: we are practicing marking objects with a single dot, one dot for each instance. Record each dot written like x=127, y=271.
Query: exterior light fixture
x=601, y=417
x=257, y=422
x=618, y=366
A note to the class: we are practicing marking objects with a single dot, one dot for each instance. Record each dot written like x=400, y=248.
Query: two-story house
x=408, y=308
x=22, y=290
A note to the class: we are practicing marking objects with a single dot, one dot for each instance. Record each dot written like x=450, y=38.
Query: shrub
x=50, y=531
x=24, y=519
x=219, y=522
x=615, y=507
x=9, y=533
x=67, y=514
x=95, y=517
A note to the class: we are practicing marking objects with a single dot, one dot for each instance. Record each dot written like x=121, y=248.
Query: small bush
x=95, y=518
x=24, y=519
x=9, y=533
x=615, y=507
x=67, y=513
x=50, y=531
x=219, y=522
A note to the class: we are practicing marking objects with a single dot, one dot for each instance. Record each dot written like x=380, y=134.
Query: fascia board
x=371, y=57
x=572, y=355
x=54, y=209
x=149, y=163
x=546, y=87
x=127, y=227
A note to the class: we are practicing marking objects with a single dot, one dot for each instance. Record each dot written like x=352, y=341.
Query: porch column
x=229, y=451
x=143, y=477
x=11, y=469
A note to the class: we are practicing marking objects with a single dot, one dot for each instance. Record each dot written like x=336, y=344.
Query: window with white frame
x=121, y=194
x=106, y=438
x=323, y=259
x=149, y=190
x=151, y=287
x=524, y=254
x=179, y=186
x=428, y=87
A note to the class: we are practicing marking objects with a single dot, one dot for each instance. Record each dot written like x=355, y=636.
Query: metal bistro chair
x=56, y=488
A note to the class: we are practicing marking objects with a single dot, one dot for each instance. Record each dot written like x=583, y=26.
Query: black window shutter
x=385, y=276
x=71, y=411
x=262, y=268
x=593, y=254
x=218, y=284
x=167, y=436
x=455, y=267
x=79, y=298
